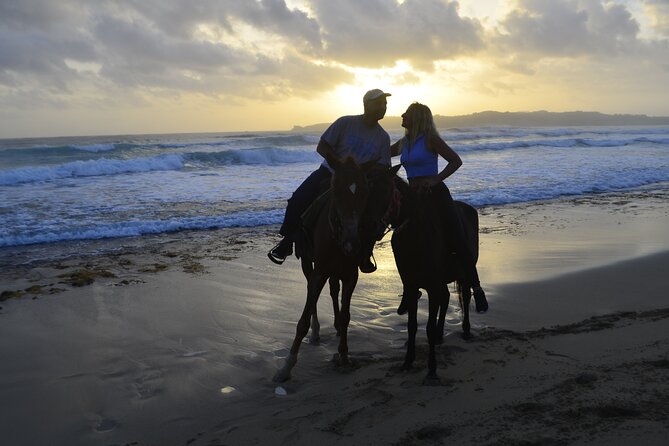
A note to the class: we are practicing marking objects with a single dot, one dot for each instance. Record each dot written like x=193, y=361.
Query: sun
x=400, y=81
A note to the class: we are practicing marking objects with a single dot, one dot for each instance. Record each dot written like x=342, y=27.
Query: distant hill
x=519, y=119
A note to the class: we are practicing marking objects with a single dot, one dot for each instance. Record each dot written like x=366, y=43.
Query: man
x=360, y=137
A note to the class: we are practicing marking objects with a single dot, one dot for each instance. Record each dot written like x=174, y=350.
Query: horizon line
x=307, y=126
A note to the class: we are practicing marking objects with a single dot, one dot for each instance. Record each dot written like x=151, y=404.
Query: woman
x=420, y=148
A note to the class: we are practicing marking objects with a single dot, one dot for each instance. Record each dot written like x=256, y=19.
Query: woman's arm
x=439, y=146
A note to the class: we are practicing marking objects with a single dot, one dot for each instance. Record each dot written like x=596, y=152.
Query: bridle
x=384, y=225
x=334, y=221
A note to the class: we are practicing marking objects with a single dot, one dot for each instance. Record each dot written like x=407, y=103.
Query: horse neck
x=416, y=210
x=405, y=202
x=349, y=194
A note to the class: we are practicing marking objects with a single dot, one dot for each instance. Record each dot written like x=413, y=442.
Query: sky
x=81, y=67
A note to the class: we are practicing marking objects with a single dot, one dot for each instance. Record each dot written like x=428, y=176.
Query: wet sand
x=173, y=340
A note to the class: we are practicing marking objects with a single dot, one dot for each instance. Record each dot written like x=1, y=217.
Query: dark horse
x=359, y=197
x=425, y=259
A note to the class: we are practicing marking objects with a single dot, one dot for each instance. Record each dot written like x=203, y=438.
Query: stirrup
x=275, y=256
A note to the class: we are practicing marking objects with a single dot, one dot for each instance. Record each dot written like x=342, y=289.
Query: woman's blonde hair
x=422, y=123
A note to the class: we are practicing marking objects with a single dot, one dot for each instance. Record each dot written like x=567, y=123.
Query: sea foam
x=137, y=228
x=101, y=166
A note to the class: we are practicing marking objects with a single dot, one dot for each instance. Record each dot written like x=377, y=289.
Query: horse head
x=383, y=202
x=350, y=192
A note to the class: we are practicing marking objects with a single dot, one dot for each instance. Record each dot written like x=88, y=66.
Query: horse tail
x=458, y=289
x=469, y=218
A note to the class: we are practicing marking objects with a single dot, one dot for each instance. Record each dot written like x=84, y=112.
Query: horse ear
x=369, y=164
x=349, y=162
x=393, y=170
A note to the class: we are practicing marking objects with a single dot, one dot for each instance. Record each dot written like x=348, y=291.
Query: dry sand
x=176, y=339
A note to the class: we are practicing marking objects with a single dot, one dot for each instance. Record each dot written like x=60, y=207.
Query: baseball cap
x=374, y=94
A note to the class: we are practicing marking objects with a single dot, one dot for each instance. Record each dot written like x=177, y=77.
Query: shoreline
x=179, y=346
x=499, y=225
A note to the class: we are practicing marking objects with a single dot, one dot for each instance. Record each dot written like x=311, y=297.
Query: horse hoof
x=313, y=340
x=431, y=380
x=344, y=362
x=466, y=335
x=341, y=361
x=439, y=340
x=406, y=366
x=281, y=376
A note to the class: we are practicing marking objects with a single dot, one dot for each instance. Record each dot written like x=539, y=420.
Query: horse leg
x=307, y=269
x=348, y=285
x=465, y=291
x=444, y=297
x=434, y=299
x=334, y=294
x=315, y=337
x=314, y=287
x=412, y=327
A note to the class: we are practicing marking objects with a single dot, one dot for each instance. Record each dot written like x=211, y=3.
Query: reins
x=334, y=221
x=393, y=210
x=391, y=215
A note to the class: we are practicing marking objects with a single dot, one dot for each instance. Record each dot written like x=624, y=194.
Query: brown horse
x=337, y=247
x=425, y=260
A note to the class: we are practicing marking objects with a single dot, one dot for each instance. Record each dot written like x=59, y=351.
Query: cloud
x=232, y=48
x=658, y=11
x=38, y=14
x=182, y=19
x=379, y=32
x=77, y=52
x=158, y=45
x=36, y=40
x=567, y=28
x=133, y=53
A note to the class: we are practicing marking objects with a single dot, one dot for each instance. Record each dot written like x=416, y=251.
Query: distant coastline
x=519, y=119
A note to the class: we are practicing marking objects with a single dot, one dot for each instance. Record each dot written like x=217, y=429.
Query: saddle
x=304, y=247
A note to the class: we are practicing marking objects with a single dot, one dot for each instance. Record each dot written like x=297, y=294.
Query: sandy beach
x=174, y=339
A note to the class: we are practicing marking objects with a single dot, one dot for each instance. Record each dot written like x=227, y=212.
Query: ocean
x=187, y=356
x=86, y=188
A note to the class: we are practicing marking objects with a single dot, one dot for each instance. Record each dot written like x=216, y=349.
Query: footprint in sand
x=106, y=425
x=192, y=354
x=281, y=353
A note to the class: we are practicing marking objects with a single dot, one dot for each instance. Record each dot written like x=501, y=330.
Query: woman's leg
x=456, y=236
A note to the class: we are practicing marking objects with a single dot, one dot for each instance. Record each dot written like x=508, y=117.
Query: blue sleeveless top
x=418, y=161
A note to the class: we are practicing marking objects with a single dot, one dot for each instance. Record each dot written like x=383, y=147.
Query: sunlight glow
x=400, y=81
x=241, y=74
x=243, y=37
x=82, y=67
x=488, y=11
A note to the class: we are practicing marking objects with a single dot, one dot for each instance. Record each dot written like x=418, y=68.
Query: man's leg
x=303, y=196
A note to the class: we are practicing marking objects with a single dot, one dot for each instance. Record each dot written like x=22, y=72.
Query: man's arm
x=325, y=150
